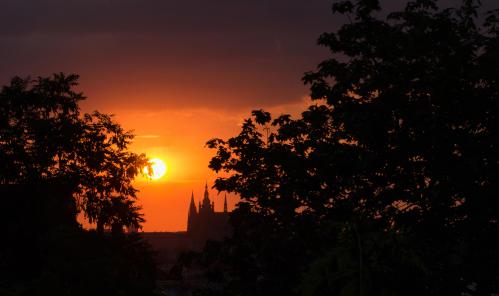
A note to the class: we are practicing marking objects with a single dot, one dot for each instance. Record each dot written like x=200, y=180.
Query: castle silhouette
x=203, y=222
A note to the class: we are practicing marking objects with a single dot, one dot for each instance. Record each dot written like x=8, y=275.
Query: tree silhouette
x=43, y=138
x=54, y=164
x=388, y=184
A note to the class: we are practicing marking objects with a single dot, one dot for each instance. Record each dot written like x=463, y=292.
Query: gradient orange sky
x=176, y=72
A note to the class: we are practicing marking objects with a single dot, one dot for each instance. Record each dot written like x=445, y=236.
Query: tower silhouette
x=192, y=212
x=203, y=222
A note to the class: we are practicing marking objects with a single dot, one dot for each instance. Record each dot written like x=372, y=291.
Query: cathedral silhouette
x=203, y=222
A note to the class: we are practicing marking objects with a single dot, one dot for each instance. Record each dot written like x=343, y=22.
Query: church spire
x=192, y=206
x=225, y=203
x=206, y=206
x=191, y=214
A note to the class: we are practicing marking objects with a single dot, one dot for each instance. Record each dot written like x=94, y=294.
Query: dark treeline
x=56, y=164
x=387, y=185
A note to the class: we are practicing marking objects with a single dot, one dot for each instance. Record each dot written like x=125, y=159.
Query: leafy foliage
x=56, y=163
x=44, y=137
x=388, y=184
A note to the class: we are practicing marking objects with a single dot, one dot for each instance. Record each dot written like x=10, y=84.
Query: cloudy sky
x=168, y=54
x=176, y=72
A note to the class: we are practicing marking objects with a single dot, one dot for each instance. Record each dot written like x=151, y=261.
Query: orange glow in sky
x=157, y=169
x=178, y=138
x=178, y=73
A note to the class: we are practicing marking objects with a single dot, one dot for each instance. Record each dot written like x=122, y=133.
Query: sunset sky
x=176, y=72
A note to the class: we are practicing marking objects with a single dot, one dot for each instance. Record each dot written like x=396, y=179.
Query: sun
x=158, y=169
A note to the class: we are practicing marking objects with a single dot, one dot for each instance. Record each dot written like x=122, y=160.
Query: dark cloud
x=141, y=16
x=152, y=53
x=163, y=54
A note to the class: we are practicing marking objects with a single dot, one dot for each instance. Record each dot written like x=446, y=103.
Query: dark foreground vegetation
x=388, y=184
x=56, y=165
